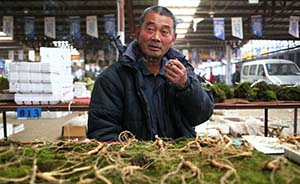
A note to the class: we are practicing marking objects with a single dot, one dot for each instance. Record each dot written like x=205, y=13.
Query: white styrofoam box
x=9, y=130
x=27, y=99
x=51, y=87
x=35, y=77
x=67, y=97
x=67, y=79
x=13, y=87
x=53, y=98
x=35, y=99
x=68, y=70
x=13, y=67
x=57, y=55
x=36, y=87
x=52, y=68
x=79, y=84
x=292, y=154
x=23, y=67
x=67, y=89
x=23, y=77
x=51, y=77
x=13, y=76
x=35, y=67
x=20, y=98
x=80, y=89
x=82, y=94
x=24, y=88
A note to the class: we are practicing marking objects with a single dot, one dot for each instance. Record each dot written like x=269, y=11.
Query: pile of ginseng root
x=203, y=159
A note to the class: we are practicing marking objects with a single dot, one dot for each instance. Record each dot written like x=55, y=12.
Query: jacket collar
x=133, y=53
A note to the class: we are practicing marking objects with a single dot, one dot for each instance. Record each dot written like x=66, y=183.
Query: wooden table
x=83, y=105
x=264, y=105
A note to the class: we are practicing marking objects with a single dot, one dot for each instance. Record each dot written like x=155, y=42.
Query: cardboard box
x=74, y=132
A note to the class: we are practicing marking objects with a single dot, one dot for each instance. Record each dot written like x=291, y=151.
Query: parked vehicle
x=273, y=71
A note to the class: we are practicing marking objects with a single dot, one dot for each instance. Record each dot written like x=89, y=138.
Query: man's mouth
x=154, y=47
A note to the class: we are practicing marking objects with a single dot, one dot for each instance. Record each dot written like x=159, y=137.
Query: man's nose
x=156, y=36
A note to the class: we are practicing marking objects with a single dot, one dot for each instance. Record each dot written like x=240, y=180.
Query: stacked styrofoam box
x=47, y=82
x=9, y=130
x=80, y=90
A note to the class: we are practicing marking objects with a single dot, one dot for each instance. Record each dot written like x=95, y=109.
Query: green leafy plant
x=261, y=91
x=227, y=90
x=241, y=90
x=289, y=93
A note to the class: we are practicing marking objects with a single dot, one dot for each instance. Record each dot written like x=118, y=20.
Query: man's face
x=156, y=35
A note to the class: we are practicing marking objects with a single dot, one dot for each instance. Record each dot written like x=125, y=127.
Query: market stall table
x=82, y=104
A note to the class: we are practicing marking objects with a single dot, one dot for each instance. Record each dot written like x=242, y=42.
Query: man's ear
x=174, y=38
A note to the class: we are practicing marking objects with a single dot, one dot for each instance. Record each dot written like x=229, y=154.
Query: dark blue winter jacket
x=118, y=103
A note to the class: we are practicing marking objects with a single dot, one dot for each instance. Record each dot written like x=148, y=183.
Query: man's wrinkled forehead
x=154, y=18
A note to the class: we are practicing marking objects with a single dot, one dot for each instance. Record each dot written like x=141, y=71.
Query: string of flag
x=109, y=25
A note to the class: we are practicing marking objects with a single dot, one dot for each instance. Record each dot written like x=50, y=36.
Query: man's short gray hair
x=161, y=11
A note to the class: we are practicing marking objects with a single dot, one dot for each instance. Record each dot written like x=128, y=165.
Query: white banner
x=253, y=1
x=237, y=27
x=8, y=25
x=20, y=55
x=195, y=22
x=109, y=24
x=31, y=55
x=11, y=55
x=256, y=24
x=186, y=53
x=92, y=26
x=294, y=26
x=219, y=28
x=50, y=27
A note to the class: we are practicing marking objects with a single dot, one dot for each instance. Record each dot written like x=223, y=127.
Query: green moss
x=17, y=171
x=156, y=164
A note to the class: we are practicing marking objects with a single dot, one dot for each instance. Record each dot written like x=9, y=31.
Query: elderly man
x=152, y=89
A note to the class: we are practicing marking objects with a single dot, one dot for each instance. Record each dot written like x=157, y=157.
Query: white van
x=273, y=71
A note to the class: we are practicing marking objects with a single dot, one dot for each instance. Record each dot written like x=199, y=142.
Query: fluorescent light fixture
x=184, y=11
x=183, y=25
x=181, y=31
x=179, y=36
x=180, y=3
x=4, y=36
x=184, y=18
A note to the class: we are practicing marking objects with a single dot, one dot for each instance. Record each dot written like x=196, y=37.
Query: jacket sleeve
x=104, y=116
x=196, y=102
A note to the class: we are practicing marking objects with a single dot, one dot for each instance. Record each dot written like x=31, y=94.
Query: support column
x=228, y=65
x=121, y=27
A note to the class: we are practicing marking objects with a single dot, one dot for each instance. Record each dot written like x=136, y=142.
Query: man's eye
x=150, y=29
x=165, y=33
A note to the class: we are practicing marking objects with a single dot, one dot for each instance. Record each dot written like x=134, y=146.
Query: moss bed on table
x=199, y=160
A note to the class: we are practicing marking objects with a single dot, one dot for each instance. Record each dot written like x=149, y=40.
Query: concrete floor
x=50, y=129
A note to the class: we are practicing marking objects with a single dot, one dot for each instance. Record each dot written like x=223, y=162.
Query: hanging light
x=184, y=11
